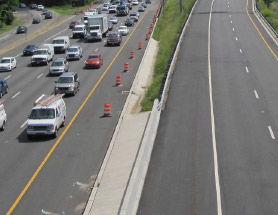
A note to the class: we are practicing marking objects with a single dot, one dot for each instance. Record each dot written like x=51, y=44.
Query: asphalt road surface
x=62, y=186
x=216, y=147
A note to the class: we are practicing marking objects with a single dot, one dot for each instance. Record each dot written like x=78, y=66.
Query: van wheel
x=63, y=123
x=29, y=136
x=55, y=133
x=3, y=126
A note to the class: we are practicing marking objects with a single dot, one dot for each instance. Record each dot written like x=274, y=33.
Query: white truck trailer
x=97, y=27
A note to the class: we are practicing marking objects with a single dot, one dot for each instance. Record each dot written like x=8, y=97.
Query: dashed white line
x=240, y=50
x=228, y=5
x=24, y=124
x=230, y=15
x=40, y=76
x=18, y=55
x=4, y=37
x=16, y=95
x=96, y=50
x=104, y=41
x=39, y=98
x=271, y=132
x=233, y=29
x=246, y=68
x=236, y=38
x=231, y=21
x=7, y=77
x=56, y=34
x=256, y=94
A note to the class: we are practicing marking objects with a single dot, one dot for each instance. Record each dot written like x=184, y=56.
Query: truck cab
x=42, y=55
x=94, y=33
x=79, y=31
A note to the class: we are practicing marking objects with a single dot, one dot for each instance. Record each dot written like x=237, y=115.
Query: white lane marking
x=4, y=37
x=256, y=94
x=104, y=41
x=7, y=77
x=240, y=50
x=216, y=171
x=236, y=38
x=18, y=55
x=233, y=29
x=228, y=5
x=56, y=34
x=271, y=132
x=230, y=15
x=96, y=50
x=16, y=95
x=39, y=98
x=246, y=68
x=231, y=21
x=24, y=124
x=40, y=75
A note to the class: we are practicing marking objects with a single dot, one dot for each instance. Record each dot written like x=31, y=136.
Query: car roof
x=67, y=74
x=59, y=59
x=75, y=46
x=7, y=58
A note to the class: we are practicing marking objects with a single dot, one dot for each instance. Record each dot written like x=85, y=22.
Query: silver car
x=74, y=53
x=67, y=83
x=58, y=66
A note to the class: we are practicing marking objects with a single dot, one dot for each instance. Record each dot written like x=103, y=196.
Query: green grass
x=271, y=13
x=6, y=28
x=166, y=32
x=67, y=10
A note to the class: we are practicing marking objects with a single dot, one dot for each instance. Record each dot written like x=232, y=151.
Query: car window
x=57, y=63
x=42, y=114
x=5, y=61
x=58, y=42
x=65, y=80
x=73, y=50
x=95, y=57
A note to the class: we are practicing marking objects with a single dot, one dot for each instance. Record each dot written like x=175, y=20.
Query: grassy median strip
x=270, y=13
x=166, y=32
x=6, y=28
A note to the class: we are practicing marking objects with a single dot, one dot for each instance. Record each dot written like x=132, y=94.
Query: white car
x=7, y=64
x=135, y=2
x=112, y=9
x=40, y=7
x=123, y=30
x=113, y=19
x=105, y=7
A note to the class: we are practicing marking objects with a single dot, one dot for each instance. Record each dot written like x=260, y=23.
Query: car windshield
x=122, y=28
x=5, y=61
x=57, y=63
x=78, y=29
x=121, y=7
x=85, y=18
x=42, y=114
x=40, y=52
x=112, y=35
x=73, y=23
x=65, y=80
x=30, y=46
x=58, y=41
x=94, y=28
x=73, y=50
x=94, y=57
x=133, y=14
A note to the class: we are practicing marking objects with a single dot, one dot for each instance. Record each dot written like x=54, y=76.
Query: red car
x=73, y=24
x=93, y=61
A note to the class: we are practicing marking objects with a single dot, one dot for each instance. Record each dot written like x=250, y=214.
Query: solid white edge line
x=256, y=94
x=24, y=124
x=271, y=132
x=246, y=68
x=7, y=77
x=40, y=75
x=16, y=95
x=216, y=173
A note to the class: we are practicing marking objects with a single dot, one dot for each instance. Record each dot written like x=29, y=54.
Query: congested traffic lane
x=30, y=155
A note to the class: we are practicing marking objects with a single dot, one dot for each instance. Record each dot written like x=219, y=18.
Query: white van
x=3, y=116
x=47, y=116
x=61, y=44
x=50, y=48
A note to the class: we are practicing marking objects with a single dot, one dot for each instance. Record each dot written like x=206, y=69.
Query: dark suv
x=114, y=38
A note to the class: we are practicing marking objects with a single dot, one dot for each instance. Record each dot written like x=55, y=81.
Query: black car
x=44, y=11
x=29, y=50
x=36, y=20
x=129, y=22
x=22, y=5
x=3, y=87
x=144, y=5
x=48, y=15
x=148, y=1
x=33, y=6
x=110, y=26
x=21, y=29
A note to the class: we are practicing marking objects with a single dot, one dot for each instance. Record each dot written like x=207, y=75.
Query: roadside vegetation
x=68, y=9
x=269, y=9
x=6, y=13
x=166, y=32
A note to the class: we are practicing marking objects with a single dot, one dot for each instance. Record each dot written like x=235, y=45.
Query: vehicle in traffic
x=97, y=27
x=86, y=17
x=79, y=31
x=36, y=20
x=114, y=38
x=22, y=5
x=43, y=55
x=47, y=116
x=3, y=116
x=59, y=66
x=61, y=44
x=122, y=10
x=29, y=50
x=33, y=6
x=44, y=11
x=21, y=29
x=3, y=87
x=129, y=5
x=74, y=53
x=93, y=10
x=113, y=19
x=40, y=7
x=7, y=64
x=112, y=9
x=141, y=9
x=105, y=7
x=68, y=83
x=93, y=61
x=72, y=24
x=134, y=16
x=110, y=26
x=135, y=2
x=148, y=1
x=123, y=30
x=144, y=5
x=48, y=15
x=129, y=22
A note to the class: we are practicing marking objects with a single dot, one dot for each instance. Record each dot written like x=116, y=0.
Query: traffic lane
x=94, y=145
x=244, y=119
x=180, y=178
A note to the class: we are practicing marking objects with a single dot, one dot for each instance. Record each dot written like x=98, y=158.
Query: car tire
x=63, y=123
x=3, y=126
x=55, y=133
x=29, y=136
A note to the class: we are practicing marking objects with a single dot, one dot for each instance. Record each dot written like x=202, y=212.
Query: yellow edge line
x=69, y=125
x=268, y=46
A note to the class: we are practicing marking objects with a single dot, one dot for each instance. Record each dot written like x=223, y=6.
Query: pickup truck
x=79, y=31
x=42, y=55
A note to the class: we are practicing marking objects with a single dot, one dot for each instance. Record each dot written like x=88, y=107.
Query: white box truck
x=97, y=27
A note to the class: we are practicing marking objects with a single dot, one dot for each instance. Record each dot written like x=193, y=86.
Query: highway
x=216, y=146
x=48, y=175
